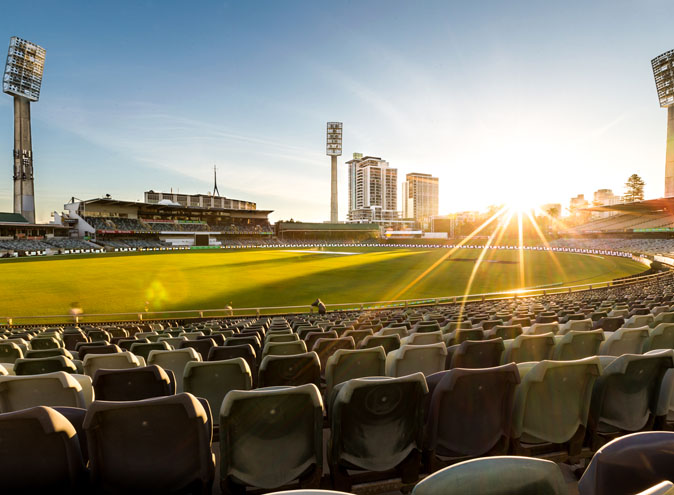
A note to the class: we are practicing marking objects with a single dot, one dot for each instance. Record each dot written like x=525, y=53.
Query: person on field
x=75, y=311
x=320, y=305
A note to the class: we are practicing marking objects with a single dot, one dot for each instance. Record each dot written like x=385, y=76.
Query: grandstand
x=642, y=217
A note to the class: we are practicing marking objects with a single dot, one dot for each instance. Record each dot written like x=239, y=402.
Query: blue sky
x=498, y=99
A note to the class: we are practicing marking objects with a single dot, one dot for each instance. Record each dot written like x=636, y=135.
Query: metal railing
x=130, y=317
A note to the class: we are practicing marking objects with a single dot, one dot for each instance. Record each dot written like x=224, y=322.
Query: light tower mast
x=663, y=70
x=333, y=150
x=22, y=80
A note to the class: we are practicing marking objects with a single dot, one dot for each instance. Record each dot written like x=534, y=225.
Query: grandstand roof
x=156, y=206
x=301, y=226
x=650, y=205
x=12, y=218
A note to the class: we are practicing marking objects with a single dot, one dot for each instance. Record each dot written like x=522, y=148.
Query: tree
x=634, y=189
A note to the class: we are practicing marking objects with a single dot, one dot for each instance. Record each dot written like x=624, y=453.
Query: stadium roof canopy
x=327, y=227
x=12, y=218
x=161, y=207
x=647, y=206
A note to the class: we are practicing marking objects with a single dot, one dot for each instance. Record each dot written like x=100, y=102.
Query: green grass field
x=278, y=277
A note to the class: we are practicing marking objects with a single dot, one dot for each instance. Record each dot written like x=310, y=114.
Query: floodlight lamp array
x=24, y=68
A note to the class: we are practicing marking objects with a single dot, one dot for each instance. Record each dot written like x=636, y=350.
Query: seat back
x=624, y=341
x=131, y=384
x=578, y=345
x=477, y=354
x=422, y=338
x=290, y=370
x=346, y=364
x=38, y=366
x=388, y=342
x=175, y=361
x=660, y=337
x=542, y=328
x=409, y=359
x=284, y=348
x=49, y=389
x=201, y=346
x=326, y=347
x=526, y=348
x=143, y=349
x=120, y=360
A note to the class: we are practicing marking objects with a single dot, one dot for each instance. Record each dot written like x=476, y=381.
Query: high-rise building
x=605, y=197
x=420, y=197
x=373, y=190
x=22, y=80
x=663, y=71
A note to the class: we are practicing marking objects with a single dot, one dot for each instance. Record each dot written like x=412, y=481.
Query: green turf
x=277, y=277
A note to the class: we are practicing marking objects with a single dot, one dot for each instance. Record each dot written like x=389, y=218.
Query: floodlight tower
x=22, y=80
x=663, y=70
x=333, y=150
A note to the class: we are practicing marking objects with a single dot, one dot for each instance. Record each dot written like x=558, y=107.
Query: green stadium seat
x=143, y=349
x=132, y=383
x=660, y=337
x=427, y=359
x=10, y=352
x=119, y=360
x=175, y=361
x=290, y=370
x=346, y=364
x=422, y=338
x=475, y=354
x=526, y=348
x=388, y=342
x=284, y=348
x=37, y=366
x=577, y=344
x=624, y=341
x=49, y=389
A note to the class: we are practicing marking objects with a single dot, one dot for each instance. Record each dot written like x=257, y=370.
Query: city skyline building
x=22, y=80
x=663, y=71
x=420, y=197
x=373, y=190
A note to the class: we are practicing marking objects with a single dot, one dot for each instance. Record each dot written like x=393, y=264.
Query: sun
x=520, y=203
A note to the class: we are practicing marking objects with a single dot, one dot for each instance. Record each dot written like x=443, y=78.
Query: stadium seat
x=212, y=380
x=291, y=370
x=610, y=323
x=174, y=361
x=358, y=335
x=427, y=359
x=660, y=337
x=388, y=342
x=506, y=332
x=45, y=343
x=143, y=349
x=40, y=453
x=251, y=340
x=284, y=348
x=575, y=325
x=132, y=384
x=500, y=475
x=271, y=437
x=160, y=445
x=119, y=360
x=376, y=426
x=49, y=389
x=174, y=342
x=400, y=331
x=526, y=348
x=311, y=337
x=36, y=366
x=61, y=351
x=462, y=334
x=638, y=321
x=475, y=354
x=97, y=349
x=577, y=344
x=346, y=364
x=326, y=347
x=281, y=337
x=630, y=464
x=662, y=488
x=542, y=328
x=98, y=334
x=422, y=338
x=469, y=414
x=624, y=341
x=625, y=396
x=70, y=340
x=202, y=346
x=10, y=352
x=552, y=403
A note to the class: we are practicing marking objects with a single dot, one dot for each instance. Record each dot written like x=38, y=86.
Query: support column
x=334, y=210
x=669, y=160
x=24, y=197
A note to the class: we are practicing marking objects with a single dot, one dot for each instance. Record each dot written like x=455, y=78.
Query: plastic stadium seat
x=504, y=475
x=98, y=349
x=376, y=426
x=70, y=340
x=277, y=337
x=270, y=437
x=552, y=403
x=346, y=364
x=174, y=342
x=427, y=359
x=625, y=396
x=577, y=325
x=36, y=366
x=119, y=360
x=610, y=323
x=143, y=349
x=624, y=341
x=252, y=340
x=454, y=325
x=506, y=332
x=422, y=338
x=660, y=337
x=401, y=332
x=663, y=488
x=463, y=334
x=304, y=331
x=160, y=445
x=326, y=347
x=9, y=352
x=98, y=335
x=469, y=414
x=40, y=453
x=638, y=321
x=358, y=335
x=61, y=351
x=292, y=370
x=174, y=361
x=75, y=415
x=284, y=348
x=577, y=345
x=542, y=328
x=132, y=384
x=526, y=348
x=475, y=354
x=202, y=346
x=212, y=380
x=388, y=342
x=45, y=343
x=630, y=464
x=312, y=337
x=50, y=389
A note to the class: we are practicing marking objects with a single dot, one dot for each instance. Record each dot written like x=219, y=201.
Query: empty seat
x=577, y=345
x=119, y=360
x=174, y=361
x=427, y=359
x=312, y=337
x=376, y=426
x=160, y=445
x=501, y=475
x=202, y=346
x=624, y=341
x=40, y=353
x=36, y=366
x=638, y=321
x=542, y=328
x=98, y=349
x=660, y=337
x=506, y=332
x=422, y=338
x=469, y=413
x=475, y=354
x=462, y=334
x=552, y=403
x=630, y=464
x=271, y=437
x=45, y=343
x=132, y=384
x=358, y=335
x=49, y=389
x=326, y=347
x=281, y=337
x=388, y=342
x=143, y=349
x=9, y=352
x=610, y=323
x=40, y=453
x=284, y=348
x=346, y=364
x=292, y=370
x=526, y=348
x=578, y=325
